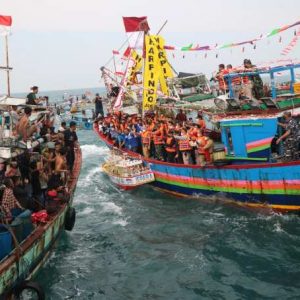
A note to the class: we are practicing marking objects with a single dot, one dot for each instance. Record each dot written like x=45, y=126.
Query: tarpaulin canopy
x=5, y=100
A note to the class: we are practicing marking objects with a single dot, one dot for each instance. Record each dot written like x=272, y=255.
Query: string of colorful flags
x=197, y=47
x=291, y=45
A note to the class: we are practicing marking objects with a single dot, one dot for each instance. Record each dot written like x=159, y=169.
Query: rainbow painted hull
x=262, y=185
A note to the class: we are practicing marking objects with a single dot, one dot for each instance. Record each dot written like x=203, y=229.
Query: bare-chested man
x=23, y=127
x=60, y=161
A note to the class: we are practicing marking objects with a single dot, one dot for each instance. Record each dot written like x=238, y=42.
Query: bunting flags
x=291, y=45
x=5, y=25
x=197, y=47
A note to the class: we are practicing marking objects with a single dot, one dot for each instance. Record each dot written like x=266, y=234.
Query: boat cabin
x=248, y=139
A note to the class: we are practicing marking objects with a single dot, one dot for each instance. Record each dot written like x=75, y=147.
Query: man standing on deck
x=71, y=141
x=291, y=136
x=98, y=106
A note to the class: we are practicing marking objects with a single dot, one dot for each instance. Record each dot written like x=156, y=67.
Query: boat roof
x=6, y=100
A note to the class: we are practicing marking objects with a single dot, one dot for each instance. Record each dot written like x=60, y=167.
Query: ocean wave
x=88, y=150
x=86, y=211
x=111, y=207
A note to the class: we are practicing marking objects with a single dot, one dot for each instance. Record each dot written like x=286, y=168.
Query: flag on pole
x=133, y=24
x=115, y=52
x=135, y=28
x=5, y=25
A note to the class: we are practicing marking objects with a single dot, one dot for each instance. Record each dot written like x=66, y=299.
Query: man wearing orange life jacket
x=171, y=147
x=236, y=82
x=159, y=140
x=184, y=146
x=146, y=142
x=205, y=148
x=221, y=79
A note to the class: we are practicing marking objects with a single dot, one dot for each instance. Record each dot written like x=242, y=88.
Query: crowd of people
x=178, y=140
x=244, y=86
x=28, y=177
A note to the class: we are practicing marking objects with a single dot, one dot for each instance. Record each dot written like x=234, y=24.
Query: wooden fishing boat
x=253, y=180
x=127, y=172
x=246, y=171
x=23, y=262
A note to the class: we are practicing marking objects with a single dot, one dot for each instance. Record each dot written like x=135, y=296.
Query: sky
x=61, y=45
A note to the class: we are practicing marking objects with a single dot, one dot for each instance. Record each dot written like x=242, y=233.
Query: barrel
x=27, y=226
x=16, y=211
x=219, y=154
x=5, y=241
x=17, y=228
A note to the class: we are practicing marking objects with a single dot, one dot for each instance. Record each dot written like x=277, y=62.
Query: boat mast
x=7, y=66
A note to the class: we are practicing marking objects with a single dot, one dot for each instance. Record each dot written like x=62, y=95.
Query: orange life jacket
x=221, y=80
x=202, y=124
x=146, y=137
x=202, y=140
x=184, y=145
x=169, y=147
x=158, y=138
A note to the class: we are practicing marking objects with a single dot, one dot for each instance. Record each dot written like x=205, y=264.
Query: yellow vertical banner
x=165, y=68
x=151, y=73
x=138, y=63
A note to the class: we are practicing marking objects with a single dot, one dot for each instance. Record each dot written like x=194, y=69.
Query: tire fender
x=30, y=285
x=70, y=218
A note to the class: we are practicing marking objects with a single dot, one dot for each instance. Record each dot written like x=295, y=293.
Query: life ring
x=32, y=287
x=70, y=218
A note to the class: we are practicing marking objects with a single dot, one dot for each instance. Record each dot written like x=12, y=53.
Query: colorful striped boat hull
x=265, y=185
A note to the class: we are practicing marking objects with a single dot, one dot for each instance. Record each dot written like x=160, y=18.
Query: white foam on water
x=111, y=207
x=88, y=179
x=120, y=222
x=277, y=227
x=86, y=211
x=89, y=150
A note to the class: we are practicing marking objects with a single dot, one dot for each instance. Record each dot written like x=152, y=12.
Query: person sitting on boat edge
x=291, y=136
x=31, y=98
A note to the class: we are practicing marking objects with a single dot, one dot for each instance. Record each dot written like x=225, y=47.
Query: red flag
x=5, y=25
x=127, y=52
x=5, y=20
x=136, y=24
x=115, y=52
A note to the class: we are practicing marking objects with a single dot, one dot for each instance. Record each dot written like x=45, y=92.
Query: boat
x=125, y=171
x=246, y=170
x=19, y=267
x=24, y=246
x=27, y=253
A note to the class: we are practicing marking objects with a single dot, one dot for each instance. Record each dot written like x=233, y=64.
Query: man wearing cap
x=71, y=141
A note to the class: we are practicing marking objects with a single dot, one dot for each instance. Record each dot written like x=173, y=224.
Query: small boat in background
x=126, y=172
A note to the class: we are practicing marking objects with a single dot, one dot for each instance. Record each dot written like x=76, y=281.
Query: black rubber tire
x=31, y=285
x=70, y=219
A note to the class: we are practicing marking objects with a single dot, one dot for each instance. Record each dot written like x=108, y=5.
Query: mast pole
x=162, y=27
x=7, y=66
